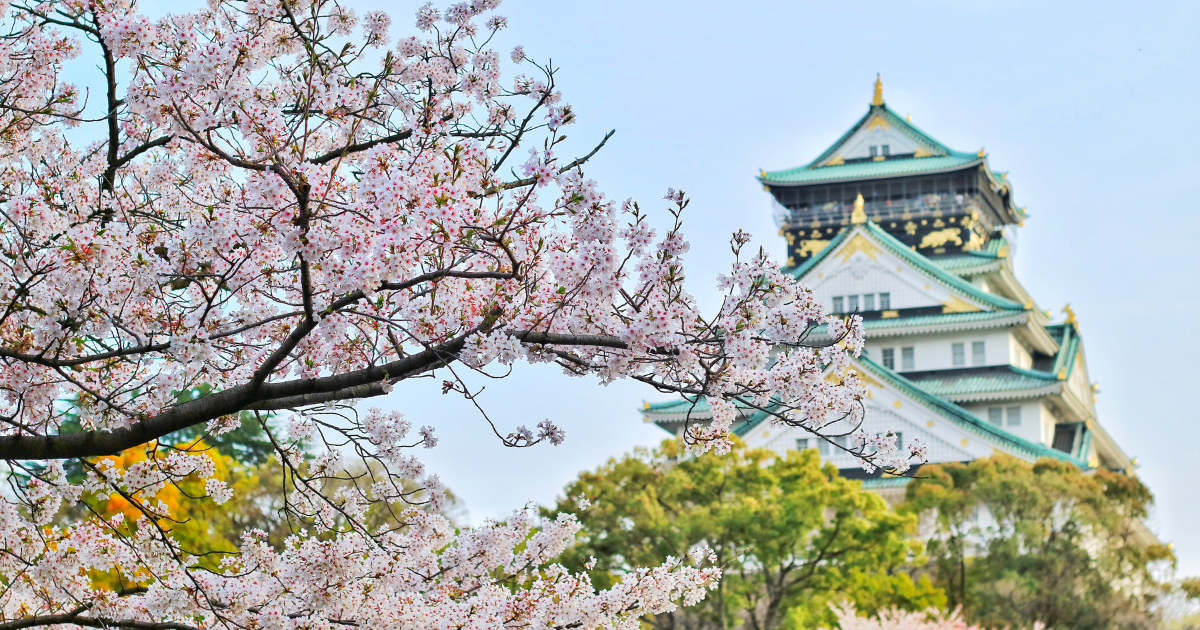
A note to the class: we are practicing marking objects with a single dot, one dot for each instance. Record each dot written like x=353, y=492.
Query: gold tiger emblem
x=941, y=237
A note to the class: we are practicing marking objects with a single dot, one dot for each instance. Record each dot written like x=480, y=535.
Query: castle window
x=889, y=358
x=978, y=354
x=874, y=150
x=996, y=416
x=1064, y=437
x=958, y=354
x=837, y=305
x=899, y=442
x=885, y=301
x=840, y=440
x=851, y=303
x=822, y=447
x=1014, y=416
x=802, y=444
x=886, y=149
x=869, y=302
x=908, y=358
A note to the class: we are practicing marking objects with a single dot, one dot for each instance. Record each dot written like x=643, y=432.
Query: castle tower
x=917, y=189
x=910, y=234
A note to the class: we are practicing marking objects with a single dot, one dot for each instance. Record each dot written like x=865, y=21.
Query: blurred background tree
x=1016, y=543
x=792, y=536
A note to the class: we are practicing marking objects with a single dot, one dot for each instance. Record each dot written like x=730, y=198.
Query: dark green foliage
x=791, y=536
x=1017, y=543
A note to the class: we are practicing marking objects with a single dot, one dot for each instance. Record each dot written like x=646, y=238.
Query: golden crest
x=859, y=244
x=812, y=247
x=941, y=237
x=955, y=305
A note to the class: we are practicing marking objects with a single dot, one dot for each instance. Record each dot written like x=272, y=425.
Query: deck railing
x=834, y=213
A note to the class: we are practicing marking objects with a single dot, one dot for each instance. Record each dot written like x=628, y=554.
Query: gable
x=864, y=247
x=860, y=265
x=876, y=131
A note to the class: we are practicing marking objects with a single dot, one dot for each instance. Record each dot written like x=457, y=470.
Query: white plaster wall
x=858, y=146
x=945, y=440
x=935, y=351
x=1037, y=419
x=1019, y=354
x=861, y=275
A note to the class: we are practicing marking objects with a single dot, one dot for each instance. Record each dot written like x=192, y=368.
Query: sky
x=1090, y=107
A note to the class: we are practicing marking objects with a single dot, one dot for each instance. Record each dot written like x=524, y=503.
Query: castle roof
x=916, y=260
x=912, y=152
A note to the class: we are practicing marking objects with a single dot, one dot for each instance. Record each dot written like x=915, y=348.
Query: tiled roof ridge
x=905, y=127
x=945, y=277
x=956, y=412
x=918, y=260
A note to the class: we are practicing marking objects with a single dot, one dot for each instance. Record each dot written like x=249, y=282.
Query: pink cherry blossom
x=273, y=210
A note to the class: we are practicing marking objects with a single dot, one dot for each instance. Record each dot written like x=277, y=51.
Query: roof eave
x=950, y=169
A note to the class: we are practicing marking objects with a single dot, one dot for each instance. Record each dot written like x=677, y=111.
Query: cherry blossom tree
x=279, y=206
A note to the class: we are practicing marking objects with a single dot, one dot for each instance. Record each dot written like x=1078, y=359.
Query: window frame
x=908, y=358
x=958, y=354
x=978, y=353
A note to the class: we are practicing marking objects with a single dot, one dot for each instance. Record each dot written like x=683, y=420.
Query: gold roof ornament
x=1070, y=315
x=859, y=215
x=878, y=98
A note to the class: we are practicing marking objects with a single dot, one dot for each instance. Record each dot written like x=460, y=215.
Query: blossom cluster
x=280, y=207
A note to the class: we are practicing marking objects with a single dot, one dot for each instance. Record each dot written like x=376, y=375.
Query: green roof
x=941, y=406
x=985, y=259
x=941, y=158
x=965, y=418
x=681, y=407
x=998, y=379
x=1068, y=340
x=868, y=170
x=916, y=260
x=939, y=319
x=946, y=409
x=880, y=483
x=935, y=320
x=1005, y=379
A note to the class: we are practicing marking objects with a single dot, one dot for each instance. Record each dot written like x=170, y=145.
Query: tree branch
x=41, y=360
x=530, y=180
x=361, y=146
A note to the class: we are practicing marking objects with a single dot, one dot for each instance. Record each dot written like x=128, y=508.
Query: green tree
x=792, y=536
x=1016, y=543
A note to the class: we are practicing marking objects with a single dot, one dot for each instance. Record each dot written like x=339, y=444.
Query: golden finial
x=878, y=99
x=1070, y=314
x=981, y=153
x=859, y=215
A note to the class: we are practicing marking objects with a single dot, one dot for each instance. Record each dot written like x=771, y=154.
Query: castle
x=911, y=234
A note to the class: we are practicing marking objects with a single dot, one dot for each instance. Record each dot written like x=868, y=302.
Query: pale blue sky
x=1091, y=107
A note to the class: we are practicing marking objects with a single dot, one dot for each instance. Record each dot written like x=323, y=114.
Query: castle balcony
x=884, y=212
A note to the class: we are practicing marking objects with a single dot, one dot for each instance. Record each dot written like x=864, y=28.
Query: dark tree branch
x=530, y=180
x=361, y=146
x=41, y=360
x=91, y=622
